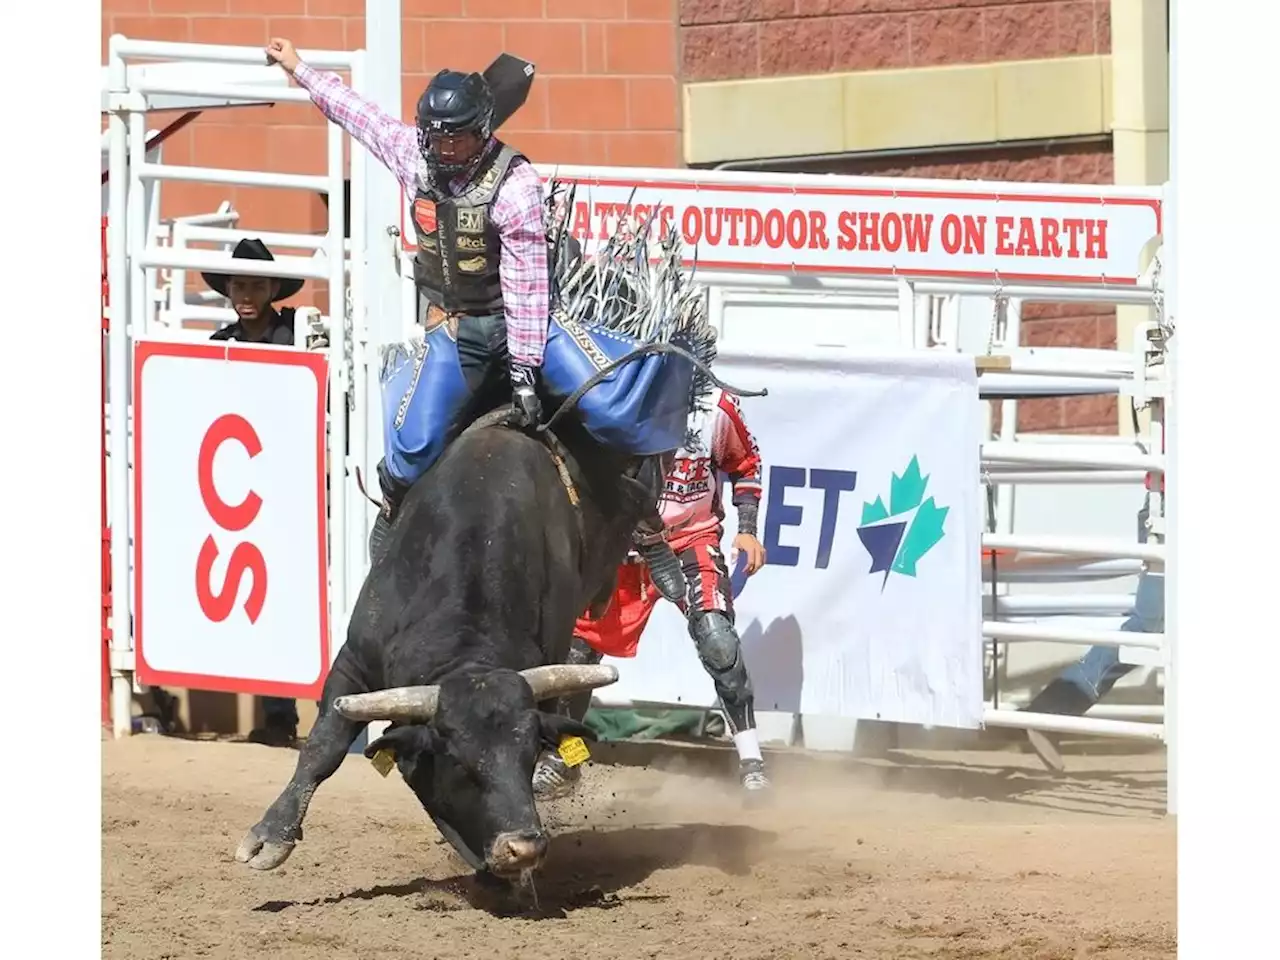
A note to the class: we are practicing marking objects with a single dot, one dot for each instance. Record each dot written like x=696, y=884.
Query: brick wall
x=735, y=39
x=606, y=90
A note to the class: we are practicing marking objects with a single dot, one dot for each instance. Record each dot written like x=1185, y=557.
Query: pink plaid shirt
x=517, y=209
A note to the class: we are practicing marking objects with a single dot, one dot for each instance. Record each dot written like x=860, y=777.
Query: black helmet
x=454, y=102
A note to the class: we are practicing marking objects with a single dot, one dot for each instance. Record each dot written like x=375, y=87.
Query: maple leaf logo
x=899, y=536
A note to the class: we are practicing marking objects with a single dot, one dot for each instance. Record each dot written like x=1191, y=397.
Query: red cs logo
x=245, y=557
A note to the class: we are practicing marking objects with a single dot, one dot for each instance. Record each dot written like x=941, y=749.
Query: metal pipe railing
x=306, y=268
x=234, y=178
x=128, y=49
x=1063, y=633
x=118, y=408
x=1098, y=548
x=338, y=387
x=1079, y=455
x=1056, y=723
x=996, y=476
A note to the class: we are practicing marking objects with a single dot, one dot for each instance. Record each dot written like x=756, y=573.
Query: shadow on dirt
x=999, y=777
x=586, y=869
x=1104, y=792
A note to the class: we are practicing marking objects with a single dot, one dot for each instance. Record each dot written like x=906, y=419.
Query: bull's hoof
x=261, y=853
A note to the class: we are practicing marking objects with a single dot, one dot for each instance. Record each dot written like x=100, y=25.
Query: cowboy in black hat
x=252, y=299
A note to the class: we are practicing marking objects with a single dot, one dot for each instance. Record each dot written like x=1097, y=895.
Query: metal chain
x=1157, y=302
x=348, y=320
x=999, y=306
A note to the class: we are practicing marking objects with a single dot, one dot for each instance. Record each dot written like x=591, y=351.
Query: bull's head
x=467, y=748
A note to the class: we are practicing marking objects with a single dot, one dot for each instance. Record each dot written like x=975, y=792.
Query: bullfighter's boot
x=552, y=777
x=393, y=492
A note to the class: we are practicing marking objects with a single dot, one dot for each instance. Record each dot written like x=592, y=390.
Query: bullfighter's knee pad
x=720, y=651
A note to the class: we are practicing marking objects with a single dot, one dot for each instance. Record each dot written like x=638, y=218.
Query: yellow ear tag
x=573, y=751
x=383, y=761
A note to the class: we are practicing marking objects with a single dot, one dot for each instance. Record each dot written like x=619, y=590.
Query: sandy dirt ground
x=956, y=856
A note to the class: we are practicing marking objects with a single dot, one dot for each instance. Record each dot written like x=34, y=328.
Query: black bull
x=488, y=565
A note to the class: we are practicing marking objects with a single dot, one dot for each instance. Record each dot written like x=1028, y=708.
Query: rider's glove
x=524, y=396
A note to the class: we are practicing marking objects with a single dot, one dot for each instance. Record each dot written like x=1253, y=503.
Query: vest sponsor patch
x=424, y=214
x=402, y=408
x=470, y=243
x=589, y=347
x=472, y=265
x=471, y=220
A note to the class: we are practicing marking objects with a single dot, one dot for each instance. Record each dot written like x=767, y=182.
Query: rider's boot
x=644, y=489
x=393, y=492
x=664, y=565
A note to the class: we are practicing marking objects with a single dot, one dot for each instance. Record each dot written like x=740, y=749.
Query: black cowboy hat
x=252, y=249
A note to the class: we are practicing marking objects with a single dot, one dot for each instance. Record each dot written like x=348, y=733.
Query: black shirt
x=279, y=330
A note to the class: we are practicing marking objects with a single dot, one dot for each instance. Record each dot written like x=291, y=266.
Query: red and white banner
x=899, y=227
x=231, y=549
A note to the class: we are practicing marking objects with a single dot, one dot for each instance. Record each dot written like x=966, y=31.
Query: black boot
x=664, y=565
x=644, y=489
x=393, y=492
x=1060, y=697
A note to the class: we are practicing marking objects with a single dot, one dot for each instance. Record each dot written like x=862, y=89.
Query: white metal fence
x=134, y=252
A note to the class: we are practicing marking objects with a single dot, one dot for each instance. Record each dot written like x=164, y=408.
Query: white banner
x=869, y=605
x=873, y=226
x=230, y=538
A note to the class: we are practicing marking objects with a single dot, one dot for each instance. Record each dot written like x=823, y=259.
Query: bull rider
x=481, y=262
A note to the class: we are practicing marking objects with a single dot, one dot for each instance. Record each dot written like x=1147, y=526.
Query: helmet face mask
x=455, y=120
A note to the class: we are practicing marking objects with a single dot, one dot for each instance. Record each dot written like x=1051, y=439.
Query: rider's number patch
x=383, y=761
x=573, y=751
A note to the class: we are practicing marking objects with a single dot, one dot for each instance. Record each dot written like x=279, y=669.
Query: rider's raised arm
x=519, y=215
x=392, y=141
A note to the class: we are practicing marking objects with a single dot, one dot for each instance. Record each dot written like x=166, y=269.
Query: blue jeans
x=1090, y=678
x=1097, y=671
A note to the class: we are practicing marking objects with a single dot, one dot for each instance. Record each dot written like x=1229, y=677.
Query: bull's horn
x=561, y=679
x=407, y=704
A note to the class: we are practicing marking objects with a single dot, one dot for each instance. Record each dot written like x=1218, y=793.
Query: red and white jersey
x=720, y=447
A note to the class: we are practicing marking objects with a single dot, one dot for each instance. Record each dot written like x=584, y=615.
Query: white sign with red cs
x=889, y=227
x=231, y=548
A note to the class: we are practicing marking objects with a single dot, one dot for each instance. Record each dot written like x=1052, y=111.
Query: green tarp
x=619, y=724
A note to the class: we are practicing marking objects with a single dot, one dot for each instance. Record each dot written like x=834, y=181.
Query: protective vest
x=459, y=249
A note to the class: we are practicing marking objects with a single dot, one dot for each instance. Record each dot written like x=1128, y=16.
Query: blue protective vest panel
x=641, y=408
x=423, y=390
